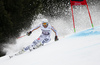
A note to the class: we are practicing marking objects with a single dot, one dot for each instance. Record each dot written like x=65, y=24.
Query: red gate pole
x=73, y=18
x=89, y=15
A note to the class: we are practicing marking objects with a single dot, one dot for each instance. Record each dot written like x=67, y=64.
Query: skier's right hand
x=28, y=33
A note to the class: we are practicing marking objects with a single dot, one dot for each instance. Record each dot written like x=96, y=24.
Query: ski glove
x=56, y=38
x=28, y=33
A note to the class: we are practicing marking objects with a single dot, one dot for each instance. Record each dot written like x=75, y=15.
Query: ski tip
x=10, y=56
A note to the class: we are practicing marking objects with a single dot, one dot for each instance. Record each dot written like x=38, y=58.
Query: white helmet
x=44, y=20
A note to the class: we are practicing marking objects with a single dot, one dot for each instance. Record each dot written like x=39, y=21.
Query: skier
x=46, y=29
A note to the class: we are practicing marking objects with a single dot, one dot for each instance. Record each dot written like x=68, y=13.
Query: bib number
x=45, y=33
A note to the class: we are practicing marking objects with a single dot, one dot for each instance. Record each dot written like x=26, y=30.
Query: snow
x=82, y=48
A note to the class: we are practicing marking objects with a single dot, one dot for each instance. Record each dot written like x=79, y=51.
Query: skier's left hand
x=56, y=38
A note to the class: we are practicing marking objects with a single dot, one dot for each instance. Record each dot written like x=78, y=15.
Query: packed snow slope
x=82, y=48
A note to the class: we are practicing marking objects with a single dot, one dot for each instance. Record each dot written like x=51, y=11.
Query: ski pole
x=21, y=36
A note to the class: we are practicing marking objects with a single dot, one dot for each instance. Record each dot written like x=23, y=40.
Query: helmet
x=44, y=20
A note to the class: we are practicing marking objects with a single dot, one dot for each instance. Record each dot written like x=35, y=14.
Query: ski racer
x=46, y=29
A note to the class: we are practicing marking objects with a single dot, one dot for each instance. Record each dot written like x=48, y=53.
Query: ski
x=30, y=48
x=17, y=53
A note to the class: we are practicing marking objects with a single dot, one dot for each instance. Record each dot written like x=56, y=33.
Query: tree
x=16, y=15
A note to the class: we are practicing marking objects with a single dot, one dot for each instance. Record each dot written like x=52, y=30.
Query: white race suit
x=45, y=36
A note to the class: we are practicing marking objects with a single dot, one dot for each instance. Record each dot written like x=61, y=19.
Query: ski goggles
x=45, y=23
